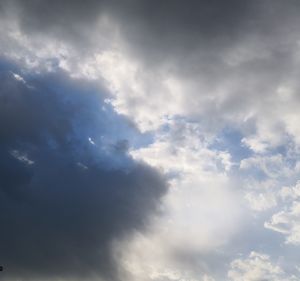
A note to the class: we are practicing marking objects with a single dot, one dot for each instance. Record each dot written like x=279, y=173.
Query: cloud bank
x=105, y=103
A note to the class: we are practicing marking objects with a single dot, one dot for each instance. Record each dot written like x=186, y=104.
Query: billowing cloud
x=257, y=267
x=287, y=220
x=213, y=61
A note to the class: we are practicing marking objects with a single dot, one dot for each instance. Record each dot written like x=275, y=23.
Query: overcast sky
x=150, y=140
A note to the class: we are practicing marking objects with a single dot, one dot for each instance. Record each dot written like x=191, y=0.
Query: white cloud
x=152, y=257
x=257, y=267
x=200, y=213
x=145, y=96
x=290, y=193
x=261, y=201
x=272, y=166
x=22, y=157
x=200, y=190
x=287, y=220
x=263, y=175
x=19, y=78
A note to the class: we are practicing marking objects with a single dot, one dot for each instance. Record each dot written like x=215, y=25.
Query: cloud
x=212, y=61
x=186, y=242
x=64, y=200
x=287, y=220
x=261, y=201
x=257, y=267
x=186, y=74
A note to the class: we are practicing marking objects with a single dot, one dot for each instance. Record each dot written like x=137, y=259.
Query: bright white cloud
x=200, y=213
x=257, y=267
x=287, y=220
x=261, y=201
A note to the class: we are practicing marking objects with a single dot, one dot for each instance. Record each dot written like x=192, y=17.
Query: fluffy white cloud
x=263, y=175
x=287, y=220
x=201, y=188
x=290, y=193
x=261, y=201
x=257, y=267
x=199, y=215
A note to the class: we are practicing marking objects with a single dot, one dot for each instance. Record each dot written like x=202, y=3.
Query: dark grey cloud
x=172, y=25
x=64, y=199
x=157, y=26
x=195, y=34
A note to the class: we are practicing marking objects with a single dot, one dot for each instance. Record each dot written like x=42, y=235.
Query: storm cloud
x=65, y=197
x=159, y=30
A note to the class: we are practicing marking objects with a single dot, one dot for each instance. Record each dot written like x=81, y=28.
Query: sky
x=150, y=140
